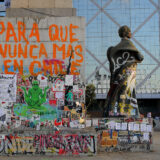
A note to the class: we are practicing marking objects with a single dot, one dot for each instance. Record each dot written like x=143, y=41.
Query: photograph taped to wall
x=8, y=87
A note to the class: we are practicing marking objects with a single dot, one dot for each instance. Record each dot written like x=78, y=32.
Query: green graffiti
x=69, y=96
x=35, y=96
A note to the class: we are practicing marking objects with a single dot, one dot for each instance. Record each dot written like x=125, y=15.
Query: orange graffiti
x=16, y=51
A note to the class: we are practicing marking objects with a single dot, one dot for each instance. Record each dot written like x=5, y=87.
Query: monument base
x=92, y=137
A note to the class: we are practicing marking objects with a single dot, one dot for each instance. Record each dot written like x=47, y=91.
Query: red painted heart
x=42, y=78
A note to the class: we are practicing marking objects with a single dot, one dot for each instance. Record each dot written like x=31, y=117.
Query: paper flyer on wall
x=88, y=123
x=143, y=127
x=112, y=125
x=136, y=127
x=118, y=126
x=69, y=80
x=131, y=126
x=2, y=136
x=95, y=122
x=146, y=136
x=124, y=126
x=8, y=87
x=149, y=128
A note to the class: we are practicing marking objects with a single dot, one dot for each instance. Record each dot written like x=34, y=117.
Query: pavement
x=153, y=155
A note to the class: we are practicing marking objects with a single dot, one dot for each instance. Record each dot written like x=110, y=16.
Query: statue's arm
x=110, y=63
x=138, y=55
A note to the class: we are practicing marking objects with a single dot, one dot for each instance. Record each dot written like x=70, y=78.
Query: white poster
x=149, y=128
x=136, y=127
x=59, y=95
x=2, y=136
x=69, y=80
x=8, y=87
x=38, y=127
x=2, y=112
x=88, y=123
x=118, y=126
x=143, y=127
x=131, y=126
x=146, y=136
x=75, y=88
x=124, y=126
x=95, y=122
x=112, y=124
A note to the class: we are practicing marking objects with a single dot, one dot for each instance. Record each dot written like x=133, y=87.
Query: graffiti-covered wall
x=50, y=144
x=124, y=135
x=41, y=70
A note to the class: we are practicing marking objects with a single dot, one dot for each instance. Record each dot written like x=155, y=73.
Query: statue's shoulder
x=109, y=51
x=130, y=42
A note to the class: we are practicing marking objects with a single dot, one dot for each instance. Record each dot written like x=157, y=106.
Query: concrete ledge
x=40, y=12
x=20, y=3
x=41, y=4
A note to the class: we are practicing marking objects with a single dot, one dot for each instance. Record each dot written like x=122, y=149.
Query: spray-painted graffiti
x=48, y=97
x=22, y=52
x=51, y=143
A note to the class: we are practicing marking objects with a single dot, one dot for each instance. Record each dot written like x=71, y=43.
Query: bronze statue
x=123, y=59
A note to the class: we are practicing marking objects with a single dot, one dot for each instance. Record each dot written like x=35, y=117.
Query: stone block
x=41, y=3
x=40, y=12
x=19, y=4
x=63, y=4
